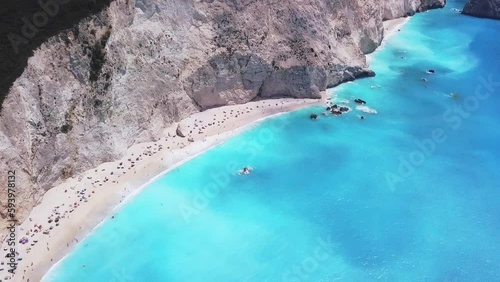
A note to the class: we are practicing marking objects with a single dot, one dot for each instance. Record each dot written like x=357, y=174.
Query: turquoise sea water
x=409, y=194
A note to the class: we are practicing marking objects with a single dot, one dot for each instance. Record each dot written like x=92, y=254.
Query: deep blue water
x=409, y=194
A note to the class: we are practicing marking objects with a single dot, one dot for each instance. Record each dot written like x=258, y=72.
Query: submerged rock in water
x=359, y=101
x=314, y=116
x=343, y=109
x=339, y=110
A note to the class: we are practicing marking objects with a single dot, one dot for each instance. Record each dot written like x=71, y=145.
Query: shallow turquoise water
x=338, y=199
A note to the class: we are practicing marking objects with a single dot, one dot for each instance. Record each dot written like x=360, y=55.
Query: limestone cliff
x=483, y=8
x=118, y=75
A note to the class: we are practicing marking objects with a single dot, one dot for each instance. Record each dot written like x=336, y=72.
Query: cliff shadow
x=26, y=24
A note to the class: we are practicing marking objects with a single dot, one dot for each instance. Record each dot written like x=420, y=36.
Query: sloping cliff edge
x=118, y=77
x=483, y=8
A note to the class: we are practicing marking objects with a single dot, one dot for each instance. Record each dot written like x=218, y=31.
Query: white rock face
x=122, y=75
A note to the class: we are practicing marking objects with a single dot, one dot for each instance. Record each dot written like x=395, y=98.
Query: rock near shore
x=482, y=8
x=91, y=83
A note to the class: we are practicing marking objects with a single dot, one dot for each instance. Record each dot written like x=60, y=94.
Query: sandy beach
x=71, y=210
x=391, y=27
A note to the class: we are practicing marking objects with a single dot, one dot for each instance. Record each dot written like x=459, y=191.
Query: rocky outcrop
x=180, y=131
x=118, y=75
x=392, y=9
x=360, y=101
x=482, y=8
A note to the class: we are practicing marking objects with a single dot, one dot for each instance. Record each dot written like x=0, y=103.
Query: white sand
x=130, y=174
x=391, y=27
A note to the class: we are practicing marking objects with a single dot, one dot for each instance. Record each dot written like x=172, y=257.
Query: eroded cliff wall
x=483, y=8
x=119, y=76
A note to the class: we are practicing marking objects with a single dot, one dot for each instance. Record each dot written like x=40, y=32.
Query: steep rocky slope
x=483, y=8
x=119, y=76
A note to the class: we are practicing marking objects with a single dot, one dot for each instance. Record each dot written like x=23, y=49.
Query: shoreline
x=391, y=27
x=44, y=252
x=98, y=194
x=137, y=191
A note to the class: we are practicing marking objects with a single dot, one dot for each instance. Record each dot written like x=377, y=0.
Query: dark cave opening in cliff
x=26, y=24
